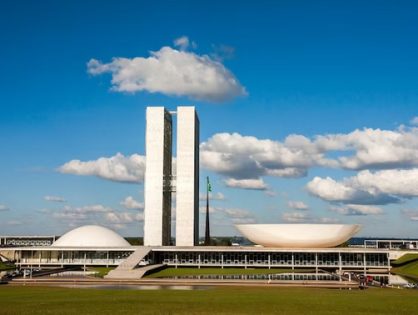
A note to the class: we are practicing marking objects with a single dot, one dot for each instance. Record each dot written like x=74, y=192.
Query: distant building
x=9, y=241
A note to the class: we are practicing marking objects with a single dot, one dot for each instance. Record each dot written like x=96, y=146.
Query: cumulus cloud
x=54, y=199
x=304, y=217
x=130, y=203
x=296, y=217
x=254, y=184
x=96, y=214
x=381, y=187
x=357, y=209
x=172, y=72
x=4, y=208
x=119, y=168
x=184, y=43
x=80, y=213
x=374, y=148
x=247, y=157
x=297, y=205
x=124, y=217
x=239, y=216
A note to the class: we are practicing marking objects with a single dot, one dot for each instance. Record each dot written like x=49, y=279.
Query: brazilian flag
x=209, y=187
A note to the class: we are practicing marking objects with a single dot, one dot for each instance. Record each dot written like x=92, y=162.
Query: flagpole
x=207, y=231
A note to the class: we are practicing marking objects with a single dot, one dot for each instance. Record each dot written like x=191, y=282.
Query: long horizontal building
x=249, y=257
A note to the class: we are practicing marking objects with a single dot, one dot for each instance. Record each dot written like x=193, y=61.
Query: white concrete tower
x=157, y=188
x=187, y=187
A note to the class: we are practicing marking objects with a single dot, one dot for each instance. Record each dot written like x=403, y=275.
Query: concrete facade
x=187, y=189
x=157, y=192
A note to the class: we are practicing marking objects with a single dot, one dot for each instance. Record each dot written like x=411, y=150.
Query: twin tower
x=162, y=179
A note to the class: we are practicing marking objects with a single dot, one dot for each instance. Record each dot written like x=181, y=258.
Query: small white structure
x=91, y=236
x=298, y=235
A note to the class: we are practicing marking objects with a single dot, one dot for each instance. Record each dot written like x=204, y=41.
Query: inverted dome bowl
x=298, y=235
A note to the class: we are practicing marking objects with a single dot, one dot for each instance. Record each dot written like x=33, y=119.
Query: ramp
x=127, y=269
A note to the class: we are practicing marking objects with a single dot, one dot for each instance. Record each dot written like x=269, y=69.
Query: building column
x=364, y=264
x=222, y=260
x=293, y=261
x=340, y=265
x=245, y=261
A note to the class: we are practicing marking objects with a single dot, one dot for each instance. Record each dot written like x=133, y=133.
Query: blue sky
x=317, y=70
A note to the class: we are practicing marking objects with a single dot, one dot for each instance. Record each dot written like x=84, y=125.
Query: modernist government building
x=292, y=246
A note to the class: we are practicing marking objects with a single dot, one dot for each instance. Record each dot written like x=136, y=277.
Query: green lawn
x=226, y=300
x=407, y=258
x=171, y=272
x=409, y=270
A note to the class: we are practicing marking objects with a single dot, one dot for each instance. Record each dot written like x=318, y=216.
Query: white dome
x=91, y=236
x=298, y=235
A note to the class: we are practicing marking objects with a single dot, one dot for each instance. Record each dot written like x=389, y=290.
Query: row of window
x=303, y=259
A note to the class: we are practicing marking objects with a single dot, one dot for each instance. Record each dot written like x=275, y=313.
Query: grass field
x=48, y=300
x=407, y=258
x=171, y=272
x=410, y=270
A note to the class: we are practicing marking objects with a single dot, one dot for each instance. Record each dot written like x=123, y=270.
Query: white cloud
x=297, y=205
x=238, y=213
x=374, y=148
x=4, y=208
x=124, y=217
x=414, y=121
x=130, y=203
x=120, y=168
x=326, y=220
x=239, y=216
x=80, y=213
x=212, y=196
x=172, y=72
x=304, y=217
x=246, y=157
x=254, y=184
x=381, y=187
x=54, y=198
x=296, y=217
x=357, y=210
x=184, y=43
x=96, y=214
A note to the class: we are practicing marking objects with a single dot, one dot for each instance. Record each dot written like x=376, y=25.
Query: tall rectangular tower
x=187, y=188
x=157, y=188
